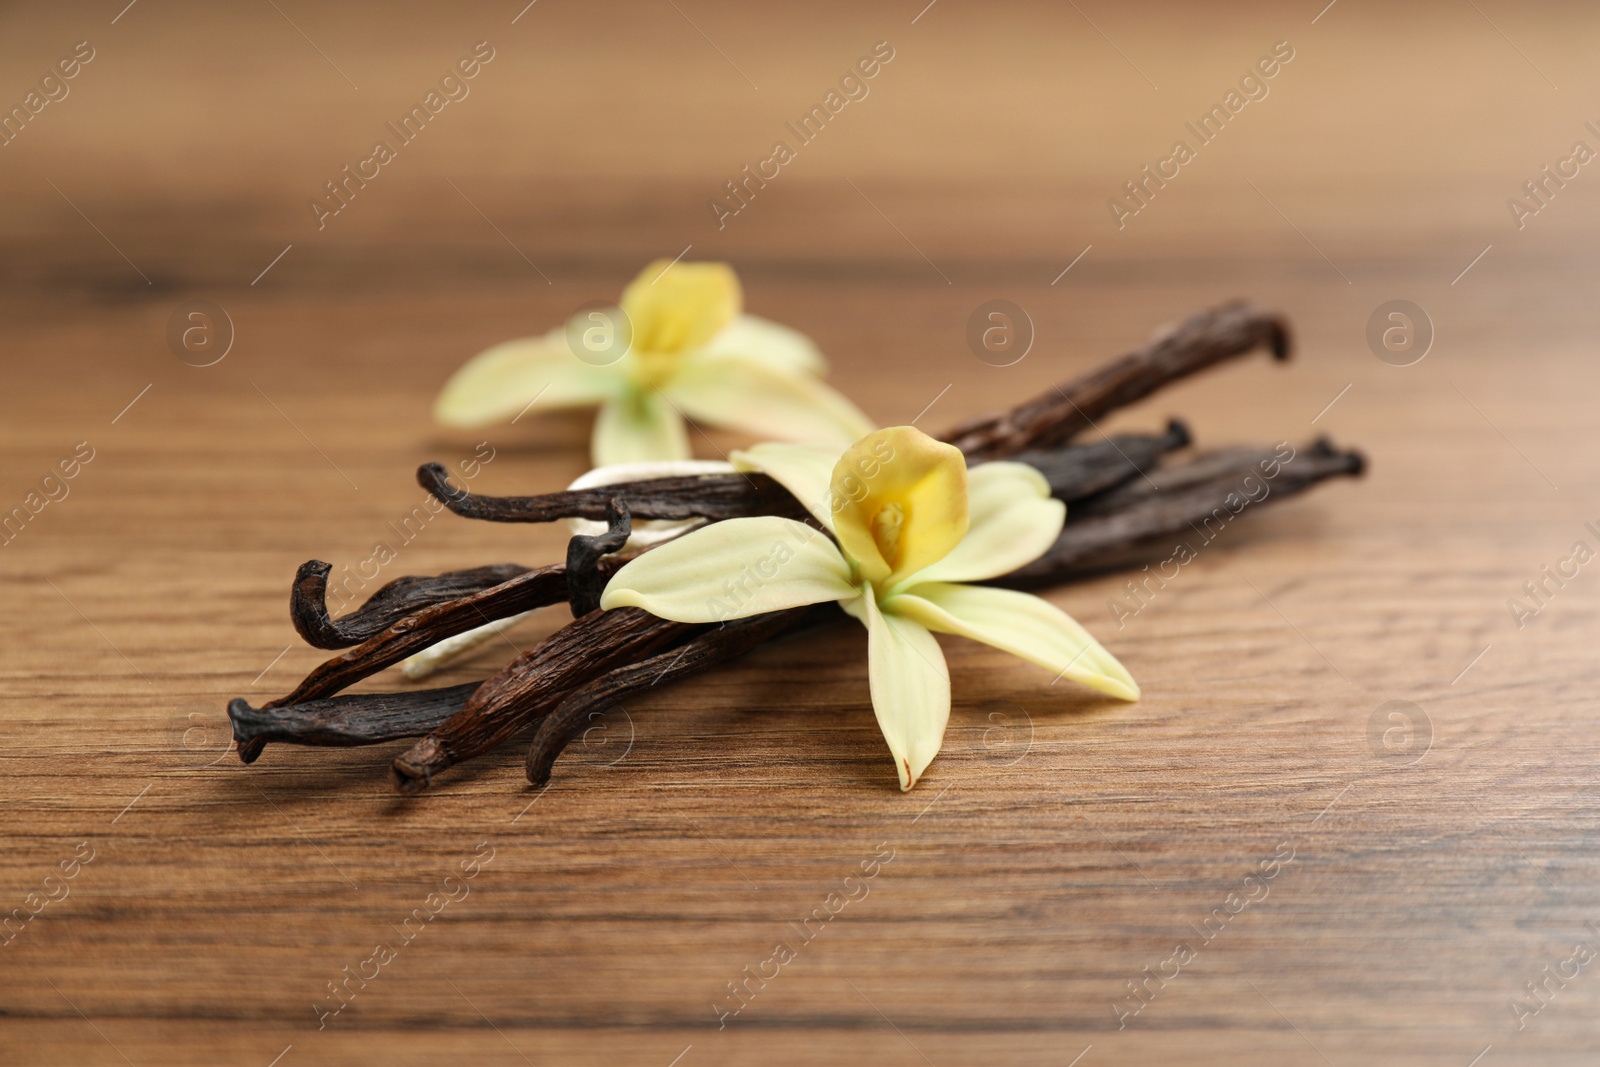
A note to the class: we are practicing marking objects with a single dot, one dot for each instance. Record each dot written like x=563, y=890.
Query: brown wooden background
x=1060, y=844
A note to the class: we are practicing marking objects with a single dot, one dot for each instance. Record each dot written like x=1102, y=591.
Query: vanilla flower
x=912, y=525
x=678, y=346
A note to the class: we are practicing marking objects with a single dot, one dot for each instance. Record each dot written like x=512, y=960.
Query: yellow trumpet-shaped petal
x=676, y=307
x=899, y=501
x=1013, y=521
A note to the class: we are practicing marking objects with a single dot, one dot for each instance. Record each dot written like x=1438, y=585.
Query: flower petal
x=1020, y=624
x=774, y=346
x=899, y=502
x=1013, y=521
x=618, y=473
x=421, y=664
x=677, y=307
x=500, y=381
x=910, y=688
x=743, y=394
x=638, y=427
x=733, y=569
x=804, y=470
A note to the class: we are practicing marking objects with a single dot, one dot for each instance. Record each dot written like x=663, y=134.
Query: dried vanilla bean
x=725, y=642
x=424, y=628
x=1228, y=465
x=359, y=719
x=1190, y=510
x=308, y=601
x=415, y=632
x=585, y=578
x=1200, y=341
x=707, y=496
x=531, y=684
x=1078, y=471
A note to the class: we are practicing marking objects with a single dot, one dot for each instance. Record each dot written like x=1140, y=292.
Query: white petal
x=646, y=532
x=804, y=470
x=1020, y=624
x=742, y=394
x=732, y=569
x=430, y=659
x=910, y=689
x=499, y=382
x=768, y=343
x=617, y=473
x=1012, y=522
x=637, y=428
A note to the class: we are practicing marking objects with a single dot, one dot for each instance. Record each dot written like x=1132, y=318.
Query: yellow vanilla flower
x=680, y=346
x=912, y=524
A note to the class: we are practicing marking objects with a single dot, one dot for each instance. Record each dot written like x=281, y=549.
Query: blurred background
x=185, y=159
x=1425, y=152
x=186, y=156
x=196, y=138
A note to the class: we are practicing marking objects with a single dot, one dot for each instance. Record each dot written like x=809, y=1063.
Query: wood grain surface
x=1424, y=870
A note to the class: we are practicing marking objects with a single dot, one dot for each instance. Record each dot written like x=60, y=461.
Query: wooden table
x=1061, y=848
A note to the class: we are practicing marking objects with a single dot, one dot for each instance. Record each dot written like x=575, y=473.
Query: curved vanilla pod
x=585, y=579
x=415, y=632
x=308, y=601
x=1200, y=341
x=706, y=496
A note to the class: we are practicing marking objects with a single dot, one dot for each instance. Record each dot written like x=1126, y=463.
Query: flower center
x=888, y=523
x=652, y=368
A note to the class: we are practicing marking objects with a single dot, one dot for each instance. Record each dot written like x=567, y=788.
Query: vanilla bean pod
x=705, y=496
x=359, y=719
x=534, y=682
x=1078, y=471
x=1187, y=511
x=415, y=632
x=1200, y=341
x=728, y=641
x=585, y=579
x=1225, y=465
x=308, y=601
x=582, y=580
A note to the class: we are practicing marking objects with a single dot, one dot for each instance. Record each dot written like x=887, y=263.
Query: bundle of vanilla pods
x=1127, y=504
